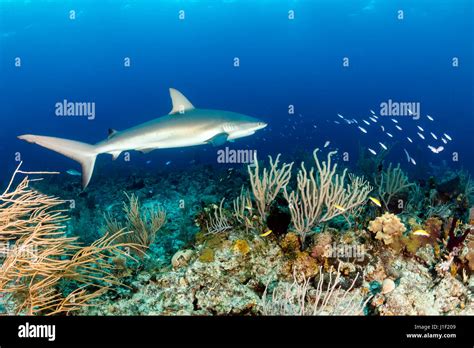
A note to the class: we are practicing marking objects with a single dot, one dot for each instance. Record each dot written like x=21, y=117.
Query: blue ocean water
x=284, y=63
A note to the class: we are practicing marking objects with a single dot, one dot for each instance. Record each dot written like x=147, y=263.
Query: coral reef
x=44, y=272
x=246, y=241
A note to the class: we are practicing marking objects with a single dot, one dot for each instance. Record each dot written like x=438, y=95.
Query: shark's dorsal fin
x=179, y=101
x=112, y=132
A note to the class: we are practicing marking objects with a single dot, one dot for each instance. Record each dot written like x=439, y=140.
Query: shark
x=184, y=126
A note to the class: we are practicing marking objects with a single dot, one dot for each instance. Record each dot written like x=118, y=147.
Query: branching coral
x=38, y=258
x=323, y=195
x=300, y=298
x=390, y=183
x=243, y=209
x=387, y=227
x=218, y=221
x=142, y=225
x=266, y=187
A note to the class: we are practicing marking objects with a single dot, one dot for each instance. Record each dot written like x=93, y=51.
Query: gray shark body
x=184, y=126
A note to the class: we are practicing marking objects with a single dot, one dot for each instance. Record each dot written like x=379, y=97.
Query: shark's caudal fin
x=83, y=153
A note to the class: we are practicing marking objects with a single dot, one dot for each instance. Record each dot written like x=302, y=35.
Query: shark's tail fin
x=83, y=153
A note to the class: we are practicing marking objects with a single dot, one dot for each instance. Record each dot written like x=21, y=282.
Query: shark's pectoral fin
x=180, y=102
x=218, y=139
x=111, y=133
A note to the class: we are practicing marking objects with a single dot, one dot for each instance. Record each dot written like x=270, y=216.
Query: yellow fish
x=266, y=233
x=421, y=233
x=376, y=201
x=337, y=206
x=248, y=207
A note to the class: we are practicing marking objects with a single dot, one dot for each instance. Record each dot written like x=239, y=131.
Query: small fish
x=148, y=162
x=394, y=120
x=376, y=201
x=436, y=149
x=412, y=161
x=408, y=155
x=372, y=112
x=314, y=126
x=362, y=129
x=421, y=129
x=444, y=140
x=421, y=136
x=409, y=111
x=389, y=134
x=448, y=137
x=376, y=117
x=355, y=121
x=167, y=163
x=366, y=122
x=434, y=136
x=266, y=233
x=421, y=233
x=429, y=118
x=409, y=139
x=339, y=115
x=398, y=127
x=73, y=172
x=373, y=119
x=326, y=144
x=336, y=122
x=383, y=128
x=337, y=206
x=383, y=146
x=372, y=151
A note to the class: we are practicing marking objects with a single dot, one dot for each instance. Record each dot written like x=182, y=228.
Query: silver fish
x=362, y=129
